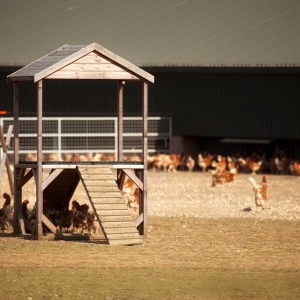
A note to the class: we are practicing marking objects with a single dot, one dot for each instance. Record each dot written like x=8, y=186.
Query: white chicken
x=260, y=191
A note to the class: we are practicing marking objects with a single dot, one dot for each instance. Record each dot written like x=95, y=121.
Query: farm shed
x=223, y=69
x=83, y=62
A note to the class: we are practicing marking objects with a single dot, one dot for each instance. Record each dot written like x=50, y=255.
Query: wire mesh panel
x=63, y=137
x=87, y=143
x=88, y=126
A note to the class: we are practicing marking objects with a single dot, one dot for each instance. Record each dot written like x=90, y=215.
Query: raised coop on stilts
x=103, y=188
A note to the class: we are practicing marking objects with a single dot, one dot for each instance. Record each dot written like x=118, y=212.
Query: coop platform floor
x=72, y=164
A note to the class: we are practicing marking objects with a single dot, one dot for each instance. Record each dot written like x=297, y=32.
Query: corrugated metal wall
x=246, y=105
x=229, y=105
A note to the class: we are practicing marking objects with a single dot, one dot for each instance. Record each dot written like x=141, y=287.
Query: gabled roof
x=81, y=62
x=156, y=33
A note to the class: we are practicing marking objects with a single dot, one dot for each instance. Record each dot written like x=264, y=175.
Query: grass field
x=181, y=258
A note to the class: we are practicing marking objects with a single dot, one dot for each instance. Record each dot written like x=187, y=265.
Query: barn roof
x=92, y=62
x=155, y=32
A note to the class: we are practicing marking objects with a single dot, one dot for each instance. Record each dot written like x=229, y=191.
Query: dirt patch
x=198, y=237
x=191, y=194
x=185, y=211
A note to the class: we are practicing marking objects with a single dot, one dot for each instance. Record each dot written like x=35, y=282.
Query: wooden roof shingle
x=66, y=55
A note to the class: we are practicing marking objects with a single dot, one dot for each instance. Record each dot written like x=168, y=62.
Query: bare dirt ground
x=201, y=230
x=190, y=194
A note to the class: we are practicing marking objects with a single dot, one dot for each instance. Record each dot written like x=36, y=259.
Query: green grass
x=97, y=283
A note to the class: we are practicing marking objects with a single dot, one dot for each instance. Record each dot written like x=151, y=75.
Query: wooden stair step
x=121, y=230
x=106, y=194
x=117, y=224
x=116, y=218
x=102, y=188
x=123, y=235
x=117, y=242
x=108, y=200
x=109, y=206
x=117, y=212
x=99, y=177
x=110, y=182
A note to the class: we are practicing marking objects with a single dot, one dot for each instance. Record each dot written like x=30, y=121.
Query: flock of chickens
x=79, y=218
x=279, y=164
x=209, y=162
x=223, y=170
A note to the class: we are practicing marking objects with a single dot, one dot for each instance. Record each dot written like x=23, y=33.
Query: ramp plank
x=121, y=230
x=116, y=212
x=97, y=188
x=108, y=200
x=116, y=218
x=108, y=182
x=116, y=224
x=123, y=235
x=102, y=176
x=109, y=206
x=105, y=194
x=125, y=242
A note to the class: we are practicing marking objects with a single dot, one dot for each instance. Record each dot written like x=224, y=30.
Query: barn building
x=226, y=72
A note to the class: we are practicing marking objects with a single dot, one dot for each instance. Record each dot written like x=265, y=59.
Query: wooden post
x=17, y=189
x=143, y=204
x=5, y=159
x=120, y=120
x=120, y=125
x=39, y=185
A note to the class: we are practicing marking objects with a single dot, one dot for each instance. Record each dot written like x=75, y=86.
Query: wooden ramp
x=106, y=199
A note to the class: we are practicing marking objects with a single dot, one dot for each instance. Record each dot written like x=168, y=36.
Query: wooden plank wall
x=92, y=66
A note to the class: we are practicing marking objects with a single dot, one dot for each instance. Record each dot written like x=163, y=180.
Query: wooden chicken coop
x=92, y=62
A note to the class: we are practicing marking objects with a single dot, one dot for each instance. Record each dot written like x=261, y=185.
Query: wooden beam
x=139, y=220
x=120, y=120
x=20, y=78
x=21, y=222
x=2, y=163
x=17, y=188
x=5, y=159
x=106, y=67
x=50, y=225
x=51, y=177
x=39, y=189
x=24, y=179
x=21, y=177
x=121, y=75
x=134, y=178
x=121, y=61
x=143, y=194
x=9, y=134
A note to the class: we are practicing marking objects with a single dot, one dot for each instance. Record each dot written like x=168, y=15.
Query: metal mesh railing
x=63, y=136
